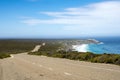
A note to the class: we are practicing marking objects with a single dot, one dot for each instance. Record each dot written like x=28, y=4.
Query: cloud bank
x=96, y=16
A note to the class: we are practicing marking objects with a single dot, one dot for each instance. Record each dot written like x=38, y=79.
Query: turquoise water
x=110, y=45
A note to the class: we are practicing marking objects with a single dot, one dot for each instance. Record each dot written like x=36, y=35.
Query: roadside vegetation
x=4, y=55
x=51, y=50
x=8, y=47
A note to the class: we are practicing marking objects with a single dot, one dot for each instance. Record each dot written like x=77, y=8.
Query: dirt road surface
x=30, y=67
x=36, y=48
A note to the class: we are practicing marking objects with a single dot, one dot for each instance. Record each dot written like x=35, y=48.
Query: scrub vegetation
x=53, y=50
x=4, y=55
x=8, y=47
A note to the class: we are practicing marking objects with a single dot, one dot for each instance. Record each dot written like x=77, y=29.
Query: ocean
x=108, y=45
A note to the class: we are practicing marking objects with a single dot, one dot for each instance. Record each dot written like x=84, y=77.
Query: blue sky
x=59, y=18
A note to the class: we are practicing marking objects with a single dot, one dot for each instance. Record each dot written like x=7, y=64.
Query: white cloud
x=96, y=16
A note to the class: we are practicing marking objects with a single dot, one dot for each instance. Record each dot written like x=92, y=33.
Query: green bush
x=107, y=58
x=58, y=55
x=85, y=56
x=4, y=55
x=118, y=62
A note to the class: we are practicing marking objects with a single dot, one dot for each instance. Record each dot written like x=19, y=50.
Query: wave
x=80, y=48
x=93, y=46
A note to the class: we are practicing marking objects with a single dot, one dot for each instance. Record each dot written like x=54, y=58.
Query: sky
x=59, y=18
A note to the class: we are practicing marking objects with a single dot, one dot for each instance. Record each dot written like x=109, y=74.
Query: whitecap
x=80, y=48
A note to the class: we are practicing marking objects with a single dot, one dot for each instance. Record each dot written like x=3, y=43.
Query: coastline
x=80, y=48
x=111, y=46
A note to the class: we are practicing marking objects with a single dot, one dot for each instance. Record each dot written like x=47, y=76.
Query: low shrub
x=53, y=50
x=4, y=55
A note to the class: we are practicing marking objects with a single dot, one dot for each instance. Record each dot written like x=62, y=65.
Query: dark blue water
x=110, y=45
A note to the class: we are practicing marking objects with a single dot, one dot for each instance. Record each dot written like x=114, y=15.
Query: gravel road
x=30, y=67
